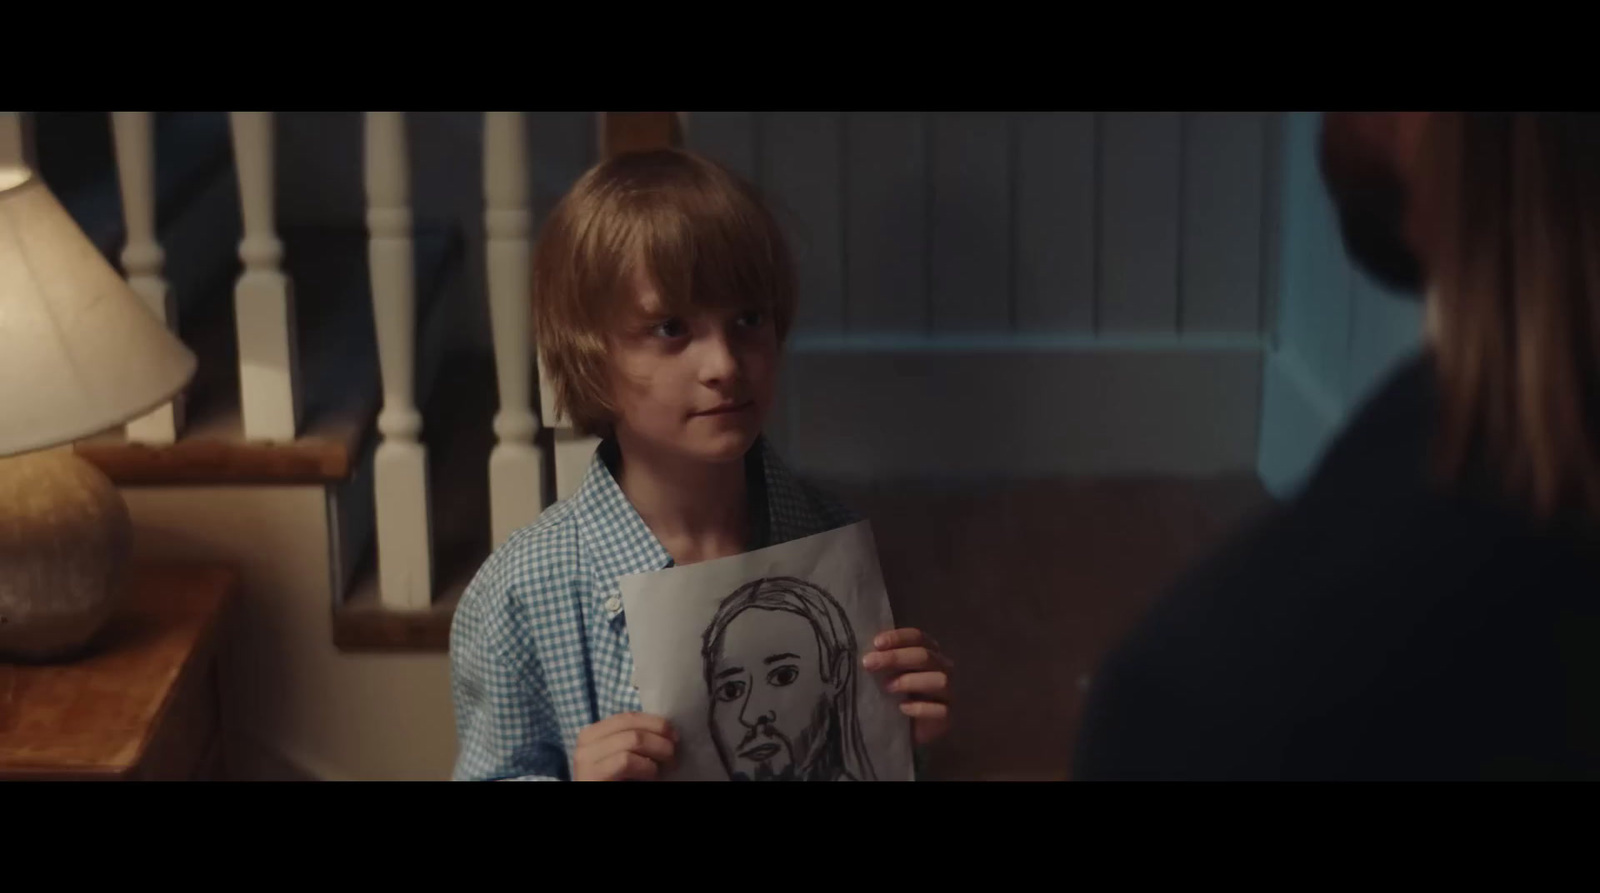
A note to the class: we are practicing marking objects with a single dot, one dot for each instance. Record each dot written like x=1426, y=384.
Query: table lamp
x=79, y=353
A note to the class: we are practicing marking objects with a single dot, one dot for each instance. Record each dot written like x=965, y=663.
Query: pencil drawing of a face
x=770, y=703
x=779, y=661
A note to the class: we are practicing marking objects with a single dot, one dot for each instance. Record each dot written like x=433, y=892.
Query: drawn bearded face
x=771, y=708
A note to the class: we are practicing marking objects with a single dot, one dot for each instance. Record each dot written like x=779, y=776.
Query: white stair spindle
x=142, y=257
x=405, y=538
x=269, y=375
x=516, y=466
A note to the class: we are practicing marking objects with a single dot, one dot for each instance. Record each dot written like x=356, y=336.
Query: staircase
x=325, y=674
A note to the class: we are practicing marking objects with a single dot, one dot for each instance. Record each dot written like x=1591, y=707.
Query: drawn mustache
x=763, y=730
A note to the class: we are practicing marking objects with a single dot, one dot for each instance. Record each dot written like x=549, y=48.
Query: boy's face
x=697, y=386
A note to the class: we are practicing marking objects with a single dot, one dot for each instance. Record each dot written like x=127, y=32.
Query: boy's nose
x=718, y=362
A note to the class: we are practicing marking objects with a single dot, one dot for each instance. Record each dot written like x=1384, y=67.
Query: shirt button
x=613, y=604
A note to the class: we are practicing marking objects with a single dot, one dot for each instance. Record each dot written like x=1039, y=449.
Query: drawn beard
x=808, y=753
x=763, y=772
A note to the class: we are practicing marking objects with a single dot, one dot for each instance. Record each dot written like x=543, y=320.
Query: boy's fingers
x=904, y=637
x=629, y=766
x=932, y=711
x=611, y=725
x=646, y=744
x=932, y=685
x=916, y=658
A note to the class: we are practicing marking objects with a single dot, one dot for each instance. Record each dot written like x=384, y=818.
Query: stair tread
x=340, y=380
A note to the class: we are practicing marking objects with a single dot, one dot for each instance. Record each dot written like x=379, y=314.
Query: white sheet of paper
x=756, y=660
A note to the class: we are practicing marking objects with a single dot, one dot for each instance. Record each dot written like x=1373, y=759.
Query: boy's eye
x=669, y=328
x=752, y=319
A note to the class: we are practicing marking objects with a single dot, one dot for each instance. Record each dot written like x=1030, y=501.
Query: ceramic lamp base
x=64, y=542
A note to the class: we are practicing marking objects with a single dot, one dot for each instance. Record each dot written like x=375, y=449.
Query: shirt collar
x=620, y=543
x=789, y=511
x=617, y=540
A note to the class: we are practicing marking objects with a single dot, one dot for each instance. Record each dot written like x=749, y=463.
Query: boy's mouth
x=725, y=408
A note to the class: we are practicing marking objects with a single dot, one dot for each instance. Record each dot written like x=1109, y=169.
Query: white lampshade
x=79, y=351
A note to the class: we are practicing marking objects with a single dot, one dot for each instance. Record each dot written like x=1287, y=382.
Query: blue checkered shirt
x=539, y=645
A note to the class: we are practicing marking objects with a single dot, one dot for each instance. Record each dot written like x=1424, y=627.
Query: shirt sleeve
x=505, y=722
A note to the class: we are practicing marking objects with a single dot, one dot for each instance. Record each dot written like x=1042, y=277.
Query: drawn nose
x=751, y=715
x=719, y=363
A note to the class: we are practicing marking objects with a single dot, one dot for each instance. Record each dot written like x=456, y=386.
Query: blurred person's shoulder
x=1370, y=607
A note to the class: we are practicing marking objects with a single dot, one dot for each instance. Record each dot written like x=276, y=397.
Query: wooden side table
x=142, y=705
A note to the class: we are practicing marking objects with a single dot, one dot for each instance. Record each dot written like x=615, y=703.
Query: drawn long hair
x=836, y=643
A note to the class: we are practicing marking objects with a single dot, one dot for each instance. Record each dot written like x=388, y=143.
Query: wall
x=991, y=295
x=1339, y=333
x=1102, y=281
x=295, y=705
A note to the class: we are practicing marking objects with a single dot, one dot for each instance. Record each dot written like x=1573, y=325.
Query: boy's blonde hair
x=702, y=236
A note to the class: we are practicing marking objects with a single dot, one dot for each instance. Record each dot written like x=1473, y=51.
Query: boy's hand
x=625, y=747
x=912, y=666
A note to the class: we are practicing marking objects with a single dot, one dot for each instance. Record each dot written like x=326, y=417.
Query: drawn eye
x=783, y=675
x=670, y=328
x=732, y=690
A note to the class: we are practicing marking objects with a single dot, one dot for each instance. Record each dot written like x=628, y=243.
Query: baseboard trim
x=250, y=760
x=1298, y=418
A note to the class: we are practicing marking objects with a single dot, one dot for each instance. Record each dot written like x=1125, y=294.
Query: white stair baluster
x=269, y=375
x=516, y=466
x=405, y=540
x=142, y=257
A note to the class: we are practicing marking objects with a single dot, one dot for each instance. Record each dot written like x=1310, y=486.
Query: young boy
x=663, y=290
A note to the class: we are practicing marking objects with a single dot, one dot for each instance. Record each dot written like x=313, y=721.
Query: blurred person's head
x=1496, y=217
